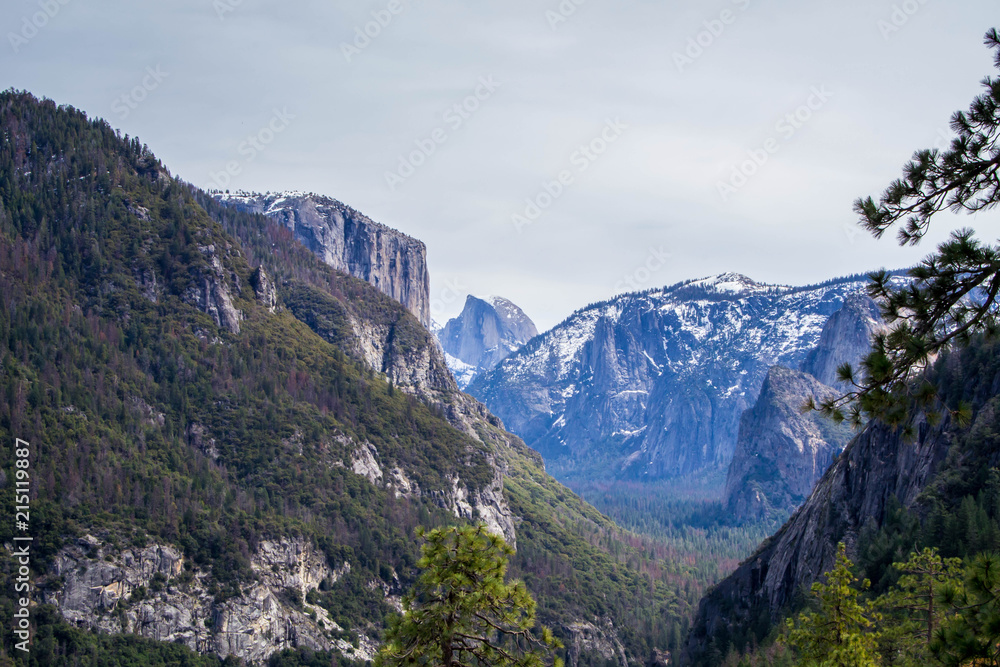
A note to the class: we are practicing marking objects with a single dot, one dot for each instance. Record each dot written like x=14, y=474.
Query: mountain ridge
x=652, y=383
x=881, y=481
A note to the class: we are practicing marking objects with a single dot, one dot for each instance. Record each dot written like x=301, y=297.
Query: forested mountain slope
x=232, y=443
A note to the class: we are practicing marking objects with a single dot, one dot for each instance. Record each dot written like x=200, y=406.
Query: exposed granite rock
x=146, y=280
x=486, y=504
x=264, y=289
x=781, y=452
x=594, y=639
x=211, y=294
x=877, y=466
x=484, y=334
x=350, y=242
x=364, y=462
x=152, y=592
x=846, y=338
x=200, y=438
x=420, y=368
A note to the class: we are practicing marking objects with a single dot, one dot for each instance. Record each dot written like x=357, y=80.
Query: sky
x=554, y=152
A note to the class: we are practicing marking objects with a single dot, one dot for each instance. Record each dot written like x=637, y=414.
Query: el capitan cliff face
x=351, y=242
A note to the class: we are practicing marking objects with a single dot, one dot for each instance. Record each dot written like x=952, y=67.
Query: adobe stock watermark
x=252, y=146
x=580, y=161
x=563, y=12
x=223, y=7
x=454, y=117
x=365, y=34
x=635, y=281
x=127, y=103
x=31, y=25
x=712, y=30
x=899, y=16
x=786, y=128
x=22, y=544
x=452, y=292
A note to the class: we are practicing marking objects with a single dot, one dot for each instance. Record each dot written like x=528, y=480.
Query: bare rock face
x=350, y=242
x=487, y=505
x=598, y=638
x=264, y=289
x=211, y=293
x=487, y=332
x=846, y=338
x=781, y=452
x=877, y=467
x=152, y=592
x=484, y=504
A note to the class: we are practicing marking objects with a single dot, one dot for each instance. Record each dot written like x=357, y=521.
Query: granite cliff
x=349, y=241
x=878, y=470
x=781, y=452
x=486, y=332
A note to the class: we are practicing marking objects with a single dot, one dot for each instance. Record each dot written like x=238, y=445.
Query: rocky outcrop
x=364, y=462
x=594, y=639
x=151, y=591
x=878, y=467
x=781, y=451
x=211, y=294
x=486, y=504
x=350, y=242
x=652, y=385
x=264, y=289
x=846, y=338
x=416, y=365
x=485, y=333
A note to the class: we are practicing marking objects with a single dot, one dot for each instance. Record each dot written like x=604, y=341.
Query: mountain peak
x=730, y=283
x=487, y=331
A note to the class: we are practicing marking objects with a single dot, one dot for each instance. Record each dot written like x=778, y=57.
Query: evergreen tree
x=912, y=609
x=953, y=294
x=840, y=633
x=972, y=637
x=462, y=612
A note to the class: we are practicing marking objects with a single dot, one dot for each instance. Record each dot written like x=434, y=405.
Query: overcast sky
x=691, y=138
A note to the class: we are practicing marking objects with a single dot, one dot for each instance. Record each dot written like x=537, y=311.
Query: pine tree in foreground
x=972, y=636
x=841, y=633
x=462, y=612
x=913, y=610
x=953, y=294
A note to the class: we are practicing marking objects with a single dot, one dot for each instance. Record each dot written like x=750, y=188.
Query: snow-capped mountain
x=781, y=452
x=486, y=332
x=653, y=384
x=350, y=242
